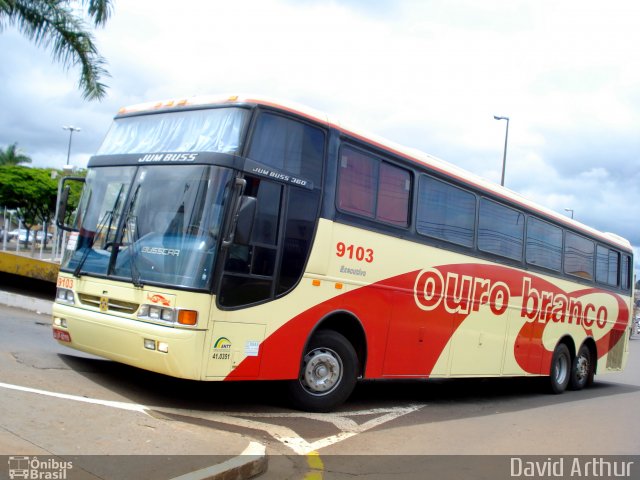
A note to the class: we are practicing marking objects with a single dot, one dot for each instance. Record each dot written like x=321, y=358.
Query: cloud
x=429, y=75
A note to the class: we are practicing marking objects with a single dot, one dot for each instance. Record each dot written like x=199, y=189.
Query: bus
x=241, y=238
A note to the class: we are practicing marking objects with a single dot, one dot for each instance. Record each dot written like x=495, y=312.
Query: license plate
x=61, y=335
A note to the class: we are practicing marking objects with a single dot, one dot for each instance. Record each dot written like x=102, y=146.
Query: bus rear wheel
x=328, y=373
x=561, y=368
x=583, y=369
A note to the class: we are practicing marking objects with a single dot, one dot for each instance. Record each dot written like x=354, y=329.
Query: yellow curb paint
x=28, y=267
x=315, y=464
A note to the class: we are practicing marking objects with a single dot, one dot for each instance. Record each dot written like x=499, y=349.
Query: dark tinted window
x=357, y=183
x=299, y=227
x=544, y=244
x=393, y=195
x=250, y=267
x=446, y=212
x=270, y=261
x=607, y=266
x=500, y=230
x=267, y=219
x=578, y=256
x=625, y=280
x=373, y=188
x=288, y=146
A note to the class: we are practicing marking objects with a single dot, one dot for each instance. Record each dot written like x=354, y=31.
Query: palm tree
x=12, y=156
x=52, y=23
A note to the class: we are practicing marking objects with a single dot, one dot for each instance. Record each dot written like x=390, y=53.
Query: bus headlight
x=169, y=316
x=60, y=322
x=65, y=295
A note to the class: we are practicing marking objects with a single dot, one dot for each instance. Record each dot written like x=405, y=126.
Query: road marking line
x=107, y=403
x=315, y=464
x=314, y=461
x=284, y=435
x=339, y=420
x=255, y=453
x=289, y=437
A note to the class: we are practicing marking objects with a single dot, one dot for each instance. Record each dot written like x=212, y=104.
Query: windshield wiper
x=89, y=248
x=132, y=223
x=109, y=214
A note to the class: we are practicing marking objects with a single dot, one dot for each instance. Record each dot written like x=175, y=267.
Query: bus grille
x=113, y=305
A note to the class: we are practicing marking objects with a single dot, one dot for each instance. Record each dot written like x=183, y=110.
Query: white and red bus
x=246, y=239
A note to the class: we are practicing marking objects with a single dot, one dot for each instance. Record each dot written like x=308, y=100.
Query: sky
x=428, y=74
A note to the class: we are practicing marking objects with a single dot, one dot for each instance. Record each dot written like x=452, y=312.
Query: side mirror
x=246, y=218
x=63, y=201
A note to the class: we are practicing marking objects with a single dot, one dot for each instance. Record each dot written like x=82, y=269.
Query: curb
x=250, y=463
x=26, y=266
x=25, y=302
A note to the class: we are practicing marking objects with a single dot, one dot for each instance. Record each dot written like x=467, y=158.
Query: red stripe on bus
x=409, y=320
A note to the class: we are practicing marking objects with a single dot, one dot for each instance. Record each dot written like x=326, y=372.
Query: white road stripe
x=253, y=453
x=107, y=403
x=284, y=435
x=289, y=437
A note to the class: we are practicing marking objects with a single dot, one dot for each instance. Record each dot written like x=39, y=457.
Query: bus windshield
x=211, y=130
x=149, y=225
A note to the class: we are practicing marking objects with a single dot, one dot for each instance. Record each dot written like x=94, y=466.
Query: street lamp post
x=504, y=155
x=569, y=210
x=71, y=130
x=67, y=169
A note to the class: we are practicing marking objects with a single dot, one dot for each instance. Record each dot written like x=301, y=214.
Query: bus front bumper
x=163, y=349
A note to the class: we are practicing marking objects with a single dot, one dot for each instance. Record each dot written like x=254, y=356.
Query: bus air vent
x=113, y=305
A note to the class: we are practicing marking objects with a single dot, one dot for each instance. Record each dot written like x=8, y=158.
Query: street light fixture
x=504, y=155
x=569, y=210
x=67, y=170
x=71, y=130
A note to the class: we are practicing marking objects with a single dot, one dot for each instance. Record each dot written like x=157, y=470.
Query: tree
x=52, y=23
x=31, y=192
x=12, y=156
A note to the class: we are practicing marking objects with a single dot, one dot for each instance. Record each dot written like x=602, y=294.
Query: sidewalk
x=185, y=455
x=25, y=302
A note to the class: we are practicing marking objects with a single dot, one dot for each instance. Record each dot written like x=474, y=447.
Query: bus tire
x=328, y=373
x=583, y=369
x=561, y=367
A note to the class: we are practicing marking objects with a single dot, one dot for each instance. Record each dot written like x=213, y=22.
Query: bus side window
x=357, y=183
x=625, y=280
x=500, y=230
x=578, y=256
x=373, y=188
x=250, y=269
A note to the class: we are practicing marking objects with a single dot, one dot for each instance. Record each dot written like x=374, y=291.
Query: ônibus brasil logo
x=38, y=469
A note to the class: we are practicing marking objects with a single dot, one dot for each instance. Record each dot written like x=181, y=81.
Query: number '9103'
x=352, y=252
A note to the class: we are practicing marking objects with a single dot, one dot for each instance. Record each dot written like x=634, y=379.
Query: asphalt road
x=387, y=427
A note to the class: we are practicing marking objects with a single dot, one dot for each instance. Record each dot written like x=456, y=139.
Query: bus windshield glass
x=207, y=130
x=153, y=224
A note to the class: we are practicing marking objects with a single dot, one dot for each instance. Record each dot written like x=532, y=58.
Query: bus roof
x=410, y=154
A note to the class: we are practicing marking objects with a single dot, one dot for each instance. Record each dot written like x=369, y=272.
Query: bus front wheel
x=328, y=373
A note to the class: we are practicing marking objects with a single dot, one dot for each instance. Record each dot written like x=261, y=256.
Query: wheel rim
x=582, y=368
x=561, y=369
x=322, y=371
